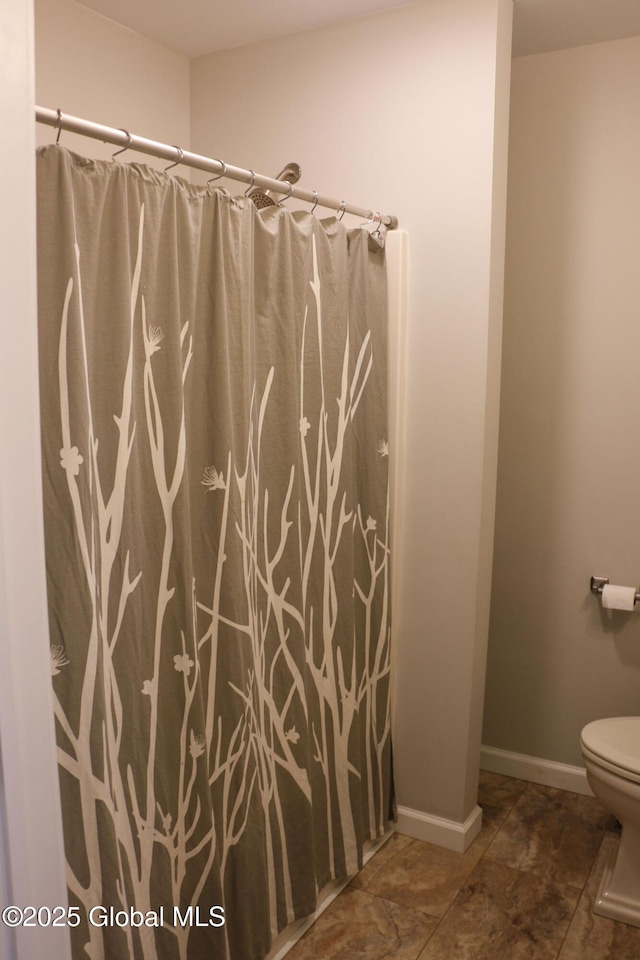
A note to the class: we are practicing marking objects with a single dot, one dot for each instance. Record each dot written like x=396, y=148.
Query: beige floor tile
x=552, y=833
x=504, y=914
x=591, y=937
x=497, y=796
x=511, y=896
x=394, y=845
x=358, y=926
x=499, y=792
x=427, y=877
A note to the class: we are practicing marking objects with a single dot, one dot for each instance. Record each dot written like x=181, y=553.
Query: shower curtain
x=213, y=391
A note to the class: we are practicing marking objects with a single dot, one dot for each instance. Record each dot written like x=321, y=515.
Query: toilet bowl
x=611, y=753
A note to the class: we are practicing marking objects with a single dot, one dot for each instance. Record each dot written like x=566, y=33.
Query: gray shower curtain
x=213, y=390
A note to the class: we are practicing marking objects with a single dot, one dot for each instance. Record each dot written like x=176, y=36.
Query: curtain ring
x=252, y=184
x=365, y=223
x=219, y=175
x=127, y=145
x=315, y=201
x=59, y=125
x=178, y=161
x=343, y=204
x=378, y=217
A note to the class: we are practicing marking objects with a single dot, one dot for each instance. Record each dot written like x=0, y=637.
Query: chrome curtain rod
x=122, y=138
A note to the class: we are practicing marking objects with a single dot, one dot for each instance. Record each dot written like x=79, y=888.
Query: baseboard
x=535, y=770
x=444, y=833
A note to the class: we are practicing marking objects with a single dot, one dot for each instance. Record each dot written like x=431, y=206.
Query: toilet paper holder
x=598, y=584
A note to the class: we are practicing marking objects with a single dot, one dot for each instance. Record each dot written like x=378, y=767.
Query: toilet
x=611, y=753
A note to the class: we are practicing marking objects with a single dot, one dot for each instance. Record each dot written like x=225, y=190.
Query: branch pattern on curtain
x=213, y=390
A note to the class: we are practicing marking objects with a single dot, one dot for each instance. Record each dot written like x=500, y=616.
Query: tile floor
x=522, y=891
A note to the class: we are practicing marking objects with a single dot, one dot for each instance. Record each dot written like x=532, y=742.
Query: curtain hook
x=178, y=161
x=315, y=200
x=59, y=125
x=252, y=184
x=365, y=223
x=343, y=204
x=219, y=175
x=378, y=217
x=126, y=146
x=290, y=185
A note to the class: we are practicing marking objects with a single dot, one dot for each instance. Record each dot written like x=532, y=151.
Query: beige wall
x=398, y=111
x=96, y=69
x=569, y=467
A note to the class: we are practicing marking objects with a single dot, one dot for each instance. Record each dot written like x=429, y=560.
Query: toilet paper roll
x=615, y=597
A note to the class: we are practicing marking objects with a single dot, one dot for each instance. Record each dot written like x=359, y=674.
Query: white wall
x=406, y=112
x=569, y=469
x=32, y=865
x=93, y=68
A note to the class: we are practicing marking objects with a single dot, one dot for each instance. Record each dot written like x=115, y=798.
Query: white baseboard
x=535, y=770
x=444, y=833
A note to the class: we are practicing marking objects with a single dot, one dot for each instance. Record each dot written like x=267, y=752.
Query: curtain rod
x=122, y=138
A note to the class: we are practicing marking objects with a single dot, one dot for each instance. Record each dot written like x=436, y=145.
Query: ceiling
x=196, y=27
x=542, y=25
